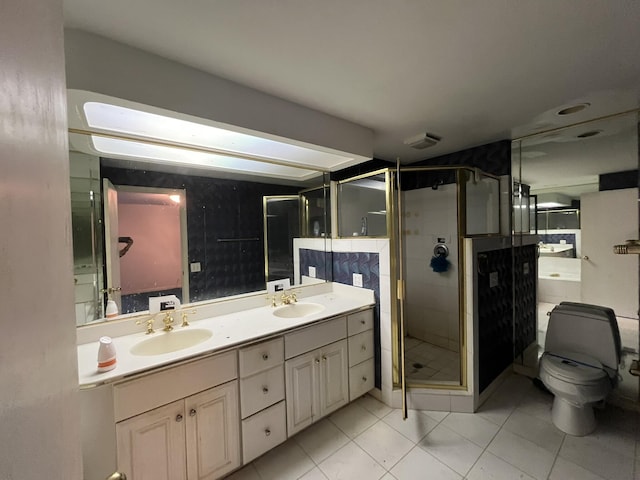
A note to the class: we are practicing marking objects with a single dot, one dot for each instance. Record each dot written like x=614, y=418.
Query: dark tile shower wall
x=319, y=259
x=525, y=276
x=495, y=314
x=494, y=158
x=217, y=210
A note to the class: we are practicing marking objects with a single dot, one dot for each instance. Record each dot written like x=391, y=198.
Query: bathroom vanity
x=203, y=411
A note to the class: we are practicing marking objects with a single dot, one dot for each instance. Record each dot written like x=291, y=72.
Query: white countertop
x=228, y=331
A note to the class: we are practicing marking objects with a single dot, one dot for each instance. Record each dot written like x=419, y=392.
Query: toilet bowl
x=577, y=381
x=580, y=363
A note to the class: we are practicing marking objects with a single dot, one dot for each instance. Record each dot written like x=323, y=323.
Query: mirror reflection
x=142, y=230
x=576, y=195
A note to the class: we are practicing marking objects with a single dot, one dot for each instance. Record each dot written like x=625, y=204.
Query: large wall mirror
x=146, y=225
x=576, y=195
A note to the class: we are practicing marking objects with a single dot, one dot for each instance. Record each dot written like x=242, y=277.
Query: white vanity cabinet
x=315, y=373
x=196, y=437
x=262, y=405
x=361, y=351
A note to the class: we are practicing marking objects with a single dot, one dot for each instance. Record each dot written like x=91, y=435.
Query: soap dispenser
x=112, y=308
x=106, y=355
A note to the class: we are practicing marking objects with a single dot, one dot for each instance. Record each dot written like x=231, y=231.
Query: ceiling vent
x=423, y=140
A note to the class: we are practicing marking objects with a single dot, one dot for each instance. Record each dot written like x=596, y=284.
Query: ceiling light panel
x=141, y=151
x=129, y=121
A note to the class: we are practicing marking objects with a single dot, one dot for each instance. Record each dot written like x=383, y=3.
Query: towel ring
x=441, y=250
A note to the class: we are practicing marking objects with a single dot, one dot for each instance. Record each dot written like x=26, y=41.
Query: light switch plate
x=195, y=267
x=275, y=286
x=167, y=302
x=312, y=272
x=357, y=280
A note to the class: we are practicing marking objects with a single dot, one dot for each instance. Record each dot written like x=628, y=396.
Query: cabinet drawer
x=145, y=393
x=359, y=322
x=261, y=390
x=263, y=431
x=260, y=357
x=317, y=336
x=361, y=379
x=360, y=347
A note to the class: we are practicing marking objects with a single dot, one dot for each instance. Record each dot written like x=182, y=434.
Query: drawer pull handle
x=364, y=379
x=265, y=356
x=363, y=348
x=265, y=390
x=179, y=417
x=192, y=412
x=362, y=322
x=267, y=432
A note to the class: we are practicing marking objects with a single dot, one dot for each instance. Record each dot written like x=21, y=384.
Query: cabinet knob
x=178, y=418
x=192, y=412
x=267, y=432
x=265, y=356
x=362, y=322
x=265, y=390
x=364, y=379
x=363, y=348
x=324, y=358
x=317, y=360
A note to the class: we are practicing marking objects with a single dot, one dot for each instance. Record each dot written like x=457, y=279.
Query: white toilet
x=580, y=363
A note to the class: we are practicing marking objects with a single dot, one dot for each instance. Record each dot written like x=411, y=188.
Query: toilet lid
x=573, y=367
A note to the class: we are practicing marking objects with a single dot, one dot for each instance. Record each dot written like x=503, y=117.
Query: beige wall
x=39, y=434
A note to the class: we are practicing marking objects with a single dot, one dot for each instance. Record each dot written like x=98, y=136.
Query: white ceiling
x=471, y=72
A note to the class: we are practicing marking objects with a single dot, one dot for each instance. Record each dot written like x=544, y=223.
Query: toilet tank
x=582, y=328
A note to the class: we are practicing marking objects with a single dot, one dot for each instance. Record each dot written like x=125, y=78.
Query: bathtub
x=559, y=279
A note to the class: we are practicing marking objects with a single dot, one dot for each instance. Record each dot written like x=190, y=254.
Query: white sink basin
x=167, y=342
x=298, y=310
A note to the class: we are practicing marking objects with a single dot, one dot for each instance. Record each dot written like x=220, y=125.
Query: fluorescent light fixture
x=553, y=200
x=128, y=121
x=146, y=152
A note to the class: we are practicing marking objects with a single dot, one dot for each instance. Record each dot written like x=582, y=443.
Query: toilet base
x=577, y=420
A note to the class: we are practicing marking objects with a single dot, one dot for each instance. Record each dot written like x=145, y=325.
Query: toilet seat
x=574, y=368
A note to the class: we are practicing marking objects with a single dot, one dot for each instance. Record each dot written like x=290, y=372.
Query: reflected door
x=112, y=255
x=609, y=218
x=281, y=226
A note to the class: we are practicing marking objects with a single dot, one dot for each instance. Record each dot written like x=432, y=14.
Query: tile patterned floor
x=427, y=362
x=511, y=437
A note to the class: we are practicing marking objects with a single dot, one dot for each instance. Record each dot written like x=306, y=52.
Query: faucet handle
x=272, y=299
x=149, y=323
x=185, y=322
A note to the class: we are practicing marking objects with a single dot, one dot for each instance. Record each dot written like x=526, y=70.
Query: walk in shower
x=425, y=212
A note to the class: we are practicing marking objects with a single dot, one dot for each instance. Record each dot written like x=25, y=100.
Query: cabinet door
x=213, y=438
x=151, y=446
x=333, y=381
x=300, y=379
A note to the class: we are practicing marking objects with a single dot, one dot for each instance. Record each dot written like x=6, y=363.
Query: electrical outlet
x=312, y=272
x=195, y=267
x=357, y=280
